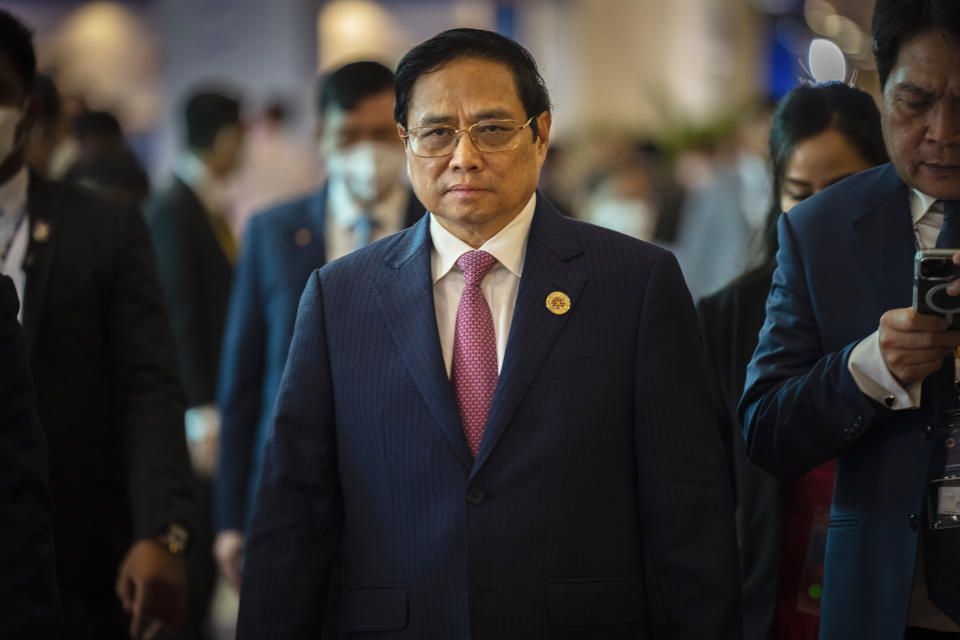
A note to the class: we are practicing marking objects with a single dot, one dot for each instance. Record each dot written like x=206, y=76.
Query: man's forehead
x=474, y=88
x=926, y=61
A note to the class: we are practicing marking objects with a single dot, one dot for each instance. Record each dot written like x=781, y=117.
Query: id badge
x=811, y=580
x=943, y=490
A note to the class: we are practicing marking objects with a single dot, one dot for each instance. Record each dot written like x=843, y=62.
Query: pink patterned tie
x=474, y=367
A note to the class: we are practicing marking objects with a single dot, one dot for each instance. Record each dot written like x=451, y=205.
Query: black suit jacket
x=196, y=276
x=730, y=320
x=28, y=586
x=108, y=394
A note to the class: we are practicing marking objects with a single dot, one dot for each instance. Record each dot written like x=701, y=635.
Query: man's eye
x=492, y=128
x=436, y=133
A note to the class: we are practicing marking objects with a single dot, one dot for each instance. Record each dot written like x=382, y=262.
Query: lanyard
x=13, y=236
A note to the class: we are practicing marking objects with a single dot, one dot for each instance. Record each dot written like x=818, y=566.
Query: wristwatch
x=175, y=539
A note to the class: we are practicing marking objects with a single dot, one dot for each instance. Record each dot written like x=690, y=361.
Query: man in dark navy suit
x=363, y=200
x=495, y=422
x=845, y=368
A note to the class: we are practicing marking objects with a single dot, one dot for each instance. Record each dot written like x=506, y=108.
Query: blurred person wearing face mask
x=364, y=199
x=820, y=135
x=622, y=199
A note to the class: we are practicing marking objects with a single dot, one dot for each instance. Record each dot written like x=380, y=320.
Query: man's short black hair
x=471, y=43
x=345, y=87
x=206, y=113
x=896, y=20
x=17, y=42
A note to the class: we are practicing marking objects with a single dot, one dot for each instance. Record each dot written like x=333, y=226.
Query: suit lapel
x=43, y=212
x=551, y=245
x=405, y=297
x=885, y=232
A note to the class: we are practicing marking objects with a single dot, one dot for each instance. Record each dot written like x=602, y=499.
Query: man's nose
x=466, y=156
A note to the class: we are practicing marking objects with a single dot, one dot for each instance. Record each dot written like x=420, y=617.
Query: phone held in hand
x=933, y=270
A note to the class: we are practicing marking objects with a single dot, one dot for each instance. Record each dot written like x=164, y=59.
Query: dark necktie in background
x=942, y=547
x=362, y=231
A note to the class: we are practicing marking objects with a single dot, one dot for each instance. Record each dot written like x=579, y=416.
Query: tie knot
x=475, y=266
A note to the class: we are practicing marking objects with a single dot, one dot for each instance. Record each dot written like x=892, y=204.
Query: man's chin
x=940, y=182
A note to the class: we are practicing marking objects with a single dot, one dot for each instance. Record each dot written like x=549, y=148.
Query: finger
x=953, y=288
x=907, y=357
x=915, y=373
x=137, y=620
x=153, y=630
x=125, y=592
x=892, y=340
x=910, y=320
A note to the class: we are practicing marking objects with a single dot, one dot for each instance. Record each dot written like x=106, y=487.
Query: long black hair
x=806, y=112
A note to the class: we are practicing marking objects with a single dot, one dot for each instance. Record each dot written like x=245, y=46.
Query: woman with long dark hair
x=820, y=134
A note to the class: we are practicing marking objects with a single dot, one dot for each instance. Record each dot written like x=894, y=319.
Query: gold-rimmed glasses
x=487, y=135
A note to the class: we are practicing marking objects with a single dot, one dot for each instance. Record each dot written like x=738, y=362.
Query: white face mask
x=368, y=169
x=631, y=216
x=9, y=119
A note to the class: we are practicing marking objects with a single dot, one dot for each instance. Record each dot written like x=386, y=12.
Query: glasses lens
x=433, y=141
x=495, y=135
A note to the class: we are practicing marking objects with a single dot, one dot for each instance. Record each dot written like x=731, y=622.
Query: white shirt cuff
x=872, y=376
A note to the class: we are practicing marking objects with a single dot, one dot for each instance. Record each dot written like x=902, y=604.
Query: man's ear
x=544, y=120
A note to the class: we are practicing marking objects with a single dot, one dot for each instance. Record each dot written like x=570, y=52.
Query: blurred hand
x=152, y=586
x=914, y=345
x=228, y=550
x=954, y=287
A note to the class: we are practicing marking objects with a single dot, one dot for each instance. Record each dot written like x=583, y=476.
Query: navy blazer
x=598, y=505
x=845, y=257
x=281, y=248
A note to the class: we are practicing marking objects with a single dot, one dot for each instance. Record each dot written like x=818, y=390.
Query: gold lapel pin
x=302, y=237
x=558, y=302
x=41, y=231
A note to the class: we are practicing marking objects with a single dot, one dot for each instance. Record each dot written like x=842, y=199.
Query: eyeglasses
x=487, y=135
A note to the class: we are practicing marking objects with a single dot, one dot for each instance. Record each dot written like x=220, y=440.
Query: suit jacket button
x=914, y=520
x=928, y=432
x=475, y=496
x=858, y=423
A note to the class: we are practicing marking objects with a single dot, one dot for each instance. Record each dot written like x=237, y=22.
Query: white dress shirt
x=343, y=212
x=866, y=363
x=509, y=247
x=13, y=202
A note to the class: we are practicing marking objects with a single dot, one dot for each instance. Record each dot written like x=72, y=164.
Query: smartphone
x=933, y=270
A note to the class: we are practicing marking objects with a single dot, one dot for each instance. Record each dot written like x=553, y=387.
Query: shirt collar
x=508, y=246
x=13, y=192
x=920, y=204
x=388, y=211
x=194, y=173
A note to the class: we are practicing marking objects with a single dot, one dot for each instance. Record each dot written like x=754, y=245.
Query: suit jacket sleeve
x=28, y=588
x=240, y=395
x=149, y=400
x=801, y=406
x=689, y=542
x=298, y=518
